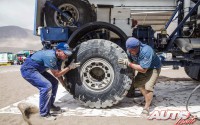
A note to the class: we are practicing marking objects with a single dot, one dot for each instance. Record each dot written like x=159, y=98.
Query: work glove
x=124, y=62
x=73, y=65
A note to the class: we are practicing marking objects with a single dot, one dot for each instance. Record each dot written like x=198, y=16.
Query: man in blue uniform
x=34, y=70
x=143, y=59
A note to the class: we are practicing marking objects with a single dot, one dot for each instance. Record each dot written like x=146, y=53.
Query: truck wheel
x=100, y=81
x=80, y=10
x=193, y=72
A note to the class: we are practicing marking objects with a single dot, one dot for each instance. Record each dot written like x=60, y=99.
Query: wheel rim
x=97, y=74
x=70, y=9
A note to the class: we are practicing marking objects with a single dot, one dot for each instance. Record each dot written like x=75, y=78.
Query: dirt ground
x=14, y=88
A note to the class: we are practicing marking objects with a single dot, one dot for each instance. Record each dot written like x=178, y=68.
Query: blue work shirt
x=146, y=57
x=48, y=59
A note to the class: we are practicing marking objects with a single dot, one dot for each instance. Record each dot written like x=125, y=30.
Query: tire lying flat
x=100, y=81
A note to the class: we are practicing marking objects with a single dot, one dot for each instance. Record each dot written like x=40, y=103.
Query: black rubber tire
x=86, y=12
x=79, y=33
x=111, y=52
x=93, y=12
x=189, y=70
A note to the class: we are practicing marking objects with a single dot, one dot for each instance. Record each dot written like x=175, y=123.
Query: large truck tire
x=193, y=72
x=80, y=10
x=100, y=81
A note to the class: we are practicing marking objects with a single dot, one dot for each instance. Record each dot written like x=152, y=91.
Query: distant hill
x=15, y=39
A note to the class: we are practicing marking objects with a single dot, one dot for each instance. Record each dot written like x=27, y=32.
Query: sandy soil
x=8, y=119
x=14, y=88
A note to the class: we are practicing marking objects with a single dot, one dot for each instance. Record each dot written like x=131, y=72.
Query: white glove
x=73, y=65
x=124, y=62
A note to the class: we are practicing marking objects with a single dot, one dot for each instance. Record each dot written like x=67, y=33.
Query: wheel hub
x=97, y=74
x=69, y=9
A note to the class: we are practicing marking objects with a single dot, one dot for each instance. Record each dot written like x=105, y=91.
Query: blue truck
x=97, y=31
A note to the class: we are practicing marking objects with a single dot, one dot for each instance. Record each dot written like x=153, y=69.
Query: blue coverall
x=34, y=70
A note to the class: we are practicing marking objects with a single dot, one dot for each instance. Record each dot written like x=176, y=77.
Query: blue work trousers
x=45, y=82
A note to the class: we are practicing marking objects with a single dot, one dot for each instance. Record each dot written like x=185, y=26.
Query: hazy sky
x=17, y=12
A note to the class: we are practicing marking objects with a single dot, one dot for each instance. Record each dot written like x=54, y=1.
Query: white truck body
x=3, y=58
x=147, y=12
x=6, y=58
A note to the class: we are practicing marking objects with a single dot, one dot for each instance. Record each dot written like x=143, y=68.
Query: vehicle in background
x=22, y=55
x=20, y=58
x=7, y=58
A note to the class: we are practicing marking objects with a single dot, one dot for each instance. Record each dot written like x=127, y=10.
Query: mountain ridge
x=15, y=38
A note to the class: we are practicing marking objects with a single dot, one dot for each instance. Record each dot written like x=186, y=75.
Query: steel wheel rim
x=70, y=9
x=102, y=79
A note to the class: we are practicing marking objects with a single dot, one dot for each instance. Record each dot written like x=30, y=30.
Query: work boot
x=55, y=108
x=48, y=117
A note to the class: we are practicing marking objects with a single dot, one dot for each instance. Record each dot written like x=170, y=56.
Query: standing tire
x=100, y=81
x=80, y=10
x=193, y=72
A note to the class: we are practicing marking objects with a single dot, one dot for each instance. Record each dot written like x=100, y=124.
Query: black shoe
x=55, y=108
x=48, y=117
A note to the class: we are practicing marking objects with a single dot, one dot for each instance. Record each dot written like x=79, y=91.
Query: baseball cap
x=132, y=43
x=64, y=47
